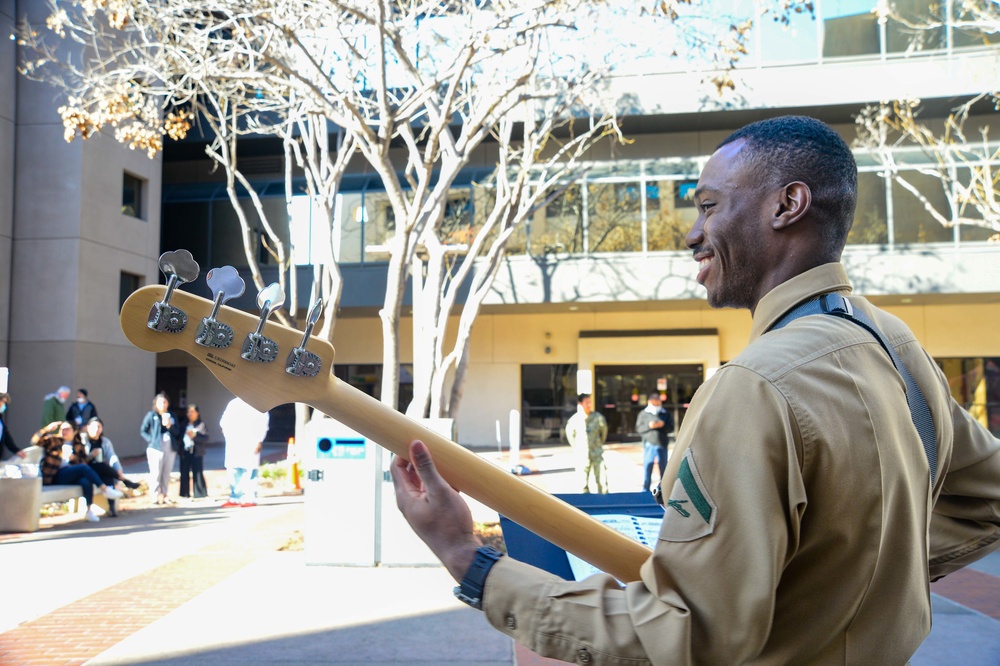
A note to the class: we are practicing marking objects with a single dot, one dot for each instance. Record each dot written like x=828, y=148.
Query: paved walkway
x=197, y=584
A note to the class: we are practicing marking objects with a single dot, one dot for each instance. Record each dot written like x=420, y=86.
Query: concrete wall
x=8, y=102
x=69, y=244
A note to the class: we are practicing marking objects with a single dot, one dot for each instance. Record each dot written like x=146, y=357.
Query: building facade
x=597, y=292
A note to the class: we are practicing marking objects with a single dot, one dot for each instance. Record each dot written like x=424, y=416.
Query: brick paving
x=78, y=632
x=973, y=589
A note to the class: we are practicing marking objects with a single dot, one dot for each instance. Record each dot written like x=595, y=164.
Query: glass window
x=367, y=378
x=621, y=391
x=380, y=224
x=548, y=399
x=132, y=196
x=483, y=201
x=902, y=38
x=226, y=236
x=127, y=283
x=912, y=223
x=974, y=193
x=849, y=28
x=870, y=218
x=456, y=227
x=970, y=33
x=968, y=233
x=558, y=227
x=614, y=217
x=188, y=225
x=350, y=214
x=670, y=213
x=975, y=384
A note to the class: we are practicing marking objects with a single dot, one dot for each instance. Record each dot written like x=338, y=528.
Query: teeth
x=704, y=262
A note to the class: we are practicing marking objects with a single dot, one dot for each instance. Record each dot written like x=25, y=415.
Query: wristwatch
x=470, y=590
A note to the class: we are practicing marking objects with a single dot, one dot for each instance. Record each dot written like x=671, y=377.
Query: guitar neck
x=266, y=385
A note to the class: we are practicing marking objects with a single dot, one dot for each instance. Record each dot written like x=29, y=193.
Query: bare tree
x=414, y=87
x=962, y=159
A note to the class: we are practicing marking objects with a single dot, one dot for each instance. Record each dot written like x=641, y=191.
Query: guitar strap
x=838, y=306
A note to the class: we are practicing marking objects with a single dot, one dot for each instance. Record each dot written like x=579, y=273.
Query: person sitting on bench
x=64, y=463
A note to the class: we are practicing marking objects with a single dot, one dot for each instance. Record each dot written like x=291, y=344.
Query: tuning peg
x=225, y=284
x=256, y=347
x=179, y=267
x=301, y=362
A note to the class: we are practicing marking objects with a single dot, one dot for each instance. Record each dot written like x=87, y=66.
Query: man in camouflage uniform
x=586, y=431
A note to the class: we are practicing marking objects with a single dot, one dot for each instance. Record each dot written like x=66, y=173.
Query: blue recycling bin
x=528, y=547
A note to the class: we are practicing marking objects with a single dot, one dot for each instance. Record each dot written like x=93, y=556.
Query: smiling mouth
x=704, y=260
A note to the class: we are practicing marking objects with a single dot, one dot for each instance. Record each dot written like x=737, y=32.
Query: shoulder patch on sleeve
x=690, y=512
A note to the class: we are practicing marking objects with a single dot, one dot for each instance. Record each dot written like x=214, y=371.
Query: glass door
x=621, y=390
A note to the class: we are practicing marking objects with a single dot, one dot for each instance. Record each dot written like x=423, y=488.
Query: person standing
x=244, y=429
x=82, y=410
x=655, y=425
x=193, y=455
x=159, y=430
x=64, y=463
x=807, y=509
x=6, y=439
x=54, y=406
x=587, y=431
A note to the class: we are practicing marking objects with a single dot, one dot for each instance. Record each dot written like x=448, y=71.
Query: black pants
x=107, y=473
x=109, y=476
x=193, y=468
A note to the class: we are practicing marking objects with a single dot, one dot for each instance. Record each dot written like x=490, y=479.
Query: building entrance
x=620, y=393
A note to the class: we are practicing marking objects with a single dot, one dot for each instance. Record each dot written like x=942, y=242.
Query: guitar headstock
x=264, y=363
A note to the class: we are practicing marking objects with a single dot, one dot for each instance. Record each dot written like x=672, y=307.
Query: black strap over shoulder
x=838, y=306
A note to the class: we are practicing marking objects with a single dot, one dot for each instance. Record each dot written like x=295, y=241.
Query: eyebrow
x=702, y=189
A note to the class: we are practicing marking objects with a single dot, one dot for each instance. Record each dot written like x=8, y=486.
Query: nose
x=696, y=234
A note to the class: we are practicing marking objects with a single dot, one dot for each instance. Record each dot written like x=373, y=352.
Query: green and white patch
x=690, y=512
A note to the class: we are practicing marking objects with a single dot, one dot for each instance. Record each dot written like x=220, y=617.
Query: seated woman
x=102, y=459
x=64, y=463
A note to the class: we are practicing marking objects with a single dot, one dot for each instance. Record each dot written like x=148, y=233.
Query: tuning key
x=179, y=267
x=256, y=347
x=301, y=362
x=226, y=284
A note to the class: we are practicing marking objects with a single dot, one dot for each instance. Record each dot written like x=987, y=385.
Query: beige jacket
x=799, y=506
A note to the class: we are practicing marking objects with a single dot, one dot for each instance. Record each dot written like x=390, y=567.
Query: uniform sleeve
x=708, y=592
x=965, y=524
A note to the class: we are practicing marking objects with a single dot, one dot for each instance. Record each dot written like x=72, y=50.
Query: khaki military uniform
x=796, y=529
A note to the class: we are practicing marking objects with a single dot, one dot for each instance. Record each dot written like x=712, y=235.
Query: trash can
x=20, y=504
x=350, y=507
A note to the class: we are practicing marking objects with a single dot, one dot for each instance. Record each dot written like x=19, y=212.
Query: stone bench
x=21, y=500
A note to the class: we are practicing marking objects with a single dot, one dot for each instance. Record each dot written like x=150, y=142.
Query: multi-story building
x=597, y=292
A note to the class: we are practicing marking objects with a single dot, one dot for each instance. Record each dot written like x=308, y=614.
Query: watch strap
x=470, y=590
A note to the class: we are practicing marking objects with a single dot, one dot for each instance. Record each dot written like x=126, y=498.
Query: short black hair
x=580, y=398
x=786, y=149
x=84, y=392
x=653, y=396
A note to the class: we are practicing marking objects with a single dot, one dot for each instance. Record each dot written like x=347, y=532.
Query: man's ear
x=794, y=200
